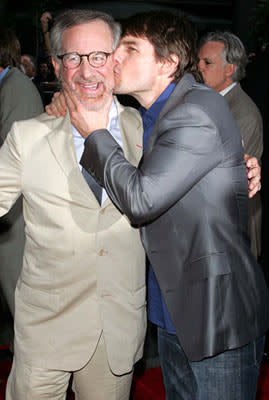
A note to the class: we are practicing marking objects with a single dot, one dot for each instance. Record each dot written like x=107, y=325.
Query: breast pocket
x=210, y=266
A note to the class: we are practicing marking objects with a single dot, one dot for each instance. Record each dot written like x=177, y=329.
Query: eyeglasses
x=73, y=60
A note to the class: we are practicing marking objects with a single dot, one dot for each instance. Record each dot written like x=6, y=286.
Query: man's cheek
x=113, y=82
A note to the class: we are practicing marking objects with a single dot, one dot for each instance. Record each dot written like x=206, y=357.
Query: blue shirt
x=3, y=73
x=157, y=311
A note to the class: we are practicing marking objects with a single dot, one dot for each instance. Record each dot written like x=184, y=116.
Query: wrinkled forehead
x=85, y=38
x=211, y=49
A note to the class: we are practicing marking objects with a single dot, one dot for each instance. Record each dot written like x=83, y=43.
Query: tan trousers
x=94, y=381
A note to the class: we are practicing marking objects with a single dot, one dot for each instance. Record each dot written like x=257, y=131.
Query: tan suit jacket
x=249, y=121
x=84, y=265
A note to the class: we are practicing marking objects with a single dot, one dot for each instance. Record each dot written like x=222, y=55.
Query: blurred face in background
x=29, y=67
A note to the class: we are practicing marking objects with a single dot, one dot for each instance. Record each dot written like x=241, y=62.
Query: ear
x=229, y=70
x=169, y=65
x=56, y=66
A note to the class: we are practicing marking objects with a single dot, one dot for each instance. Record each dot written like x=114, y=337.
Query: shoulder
x=15, y=76
x=20, y=83
x=202, y=112
x=195, y=103
x=240, y=101
x=43, y=121
x=33, y=129
x=206, y=98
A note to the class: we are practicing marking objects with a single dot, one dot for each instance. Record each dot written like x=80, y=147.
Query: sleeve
x=252, y=133
x=10, y=171
x=185, y=150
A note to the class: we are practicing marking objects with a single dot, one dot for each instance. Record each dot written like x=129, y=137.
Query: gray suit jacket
x=19, y=100
x=189, y=196
x=249, y=122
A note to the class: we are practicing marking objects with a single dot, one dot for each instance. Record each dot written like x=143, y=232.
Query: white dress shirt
x=227, y=89
x=113, y=127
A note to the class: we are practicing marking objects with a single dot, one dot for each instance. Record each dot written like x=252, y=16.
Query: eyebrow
x=128, y=42
x=206, y=58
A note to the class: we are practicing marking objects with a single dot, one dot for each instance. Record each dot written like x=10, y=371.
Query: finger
x=254, y=172
x=51, y=109
x=55, y=95
x=48, y=109
x=246, y=157
x=55, y=108
x=58, y=105
x=254, y=191
x=254, y=184
x=70, y=99
x=252, y=162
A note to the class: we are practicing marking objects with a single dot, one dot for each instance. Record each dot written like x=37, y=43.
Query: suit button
x=103, y=210
x=101, y=252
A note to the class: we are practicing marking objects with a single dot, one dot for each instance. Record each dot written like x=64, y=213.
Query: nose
x=118, y=55
x=200, y=65
x=85, y=68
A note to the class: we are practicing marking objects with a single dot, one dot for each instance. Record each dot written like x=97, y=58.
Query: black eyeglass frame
x=61, y=57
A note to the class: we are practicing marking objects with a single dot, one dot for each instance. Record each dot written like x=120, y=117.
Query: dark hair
x=10, y=49
x=169, y=34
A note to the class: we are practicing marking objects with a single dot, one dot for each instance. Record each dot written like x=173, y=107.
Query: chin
x=95, y=104
x=120, y=89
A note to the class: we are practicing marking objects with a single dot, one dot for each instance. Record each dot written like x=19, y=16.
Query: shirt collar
x=3, y=73
x=227, y=89
x=150, y=116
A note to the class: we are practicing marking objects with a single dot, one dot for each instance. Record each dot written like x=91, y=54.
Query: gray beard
x=99, y=104
x=93, y=107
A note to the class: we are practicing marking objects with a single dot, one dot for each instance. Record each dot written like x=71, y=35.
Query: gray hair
x=73, y=17
x=233, y=52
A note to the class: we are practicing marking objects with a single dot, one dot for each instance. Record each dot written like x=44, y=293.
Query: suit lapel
x=62, y=146
x=132, y=133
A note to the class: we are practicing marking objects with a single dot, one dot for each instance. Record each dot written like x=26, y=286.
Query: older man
x=222, y=62
x=80, y=299
x=189, y=197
